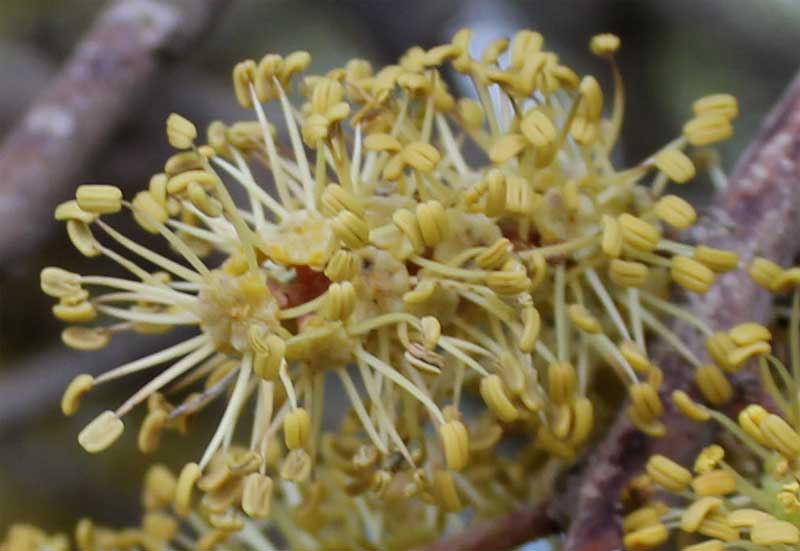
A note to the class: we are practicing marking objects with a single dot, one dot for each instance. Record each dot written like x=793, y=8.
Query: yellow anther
x=431, y=331
x=697, y=511
x=511, y=373
x=336, y=199
x=675, y=164
x=537, y=266
x=69, y=210
x=788, y=280
x=648, y=537
x=638, y=234
x=747, y=518
x=708, y=129
x=433, y=223
x=351, y=229
x=297, y=466
x=750, y=420
x=445, y=490
x=340, y=301
x=181, y=162
x=531, y=325
x=713, y=384
x=566, y=77
x=719, y=346
x=496, y=398
x=159, y=526
x=269, y=350
x=407, y=223
x=748, y=333
x=627, y=273
x=690, y=408
x=508, y=282
x=538, y=128
x=296, y=428
x=382, y=142
x=583, y=130
x=604, y=45
x=720, y=104
x=524, y=44
x=82, y=239
x=495, y=255
x=561, y=381
x=496, y=192
x=86, y=338
x=582, y=420
x=717, y=482
x=520, y=198
x=181, y=133
x=641, y=517
x=146, y=210
x=774, y=532
x=76, y=390
x=612, y=236
x=675, y=211
x=583, y=319
x=177, y=184
x=204, y=203
x=719, y=260
x=780, y=436
x=634, y=356
x=591, y=105
x=189, y=476
x=244, y=75
x=421, y=156
x=257, y=495
x=342, y=266
x=455, y=441
x=99, y=199
x=507, y=147
x=59, y=283
x=149, y=436
x=708, y=459
x=103, y=431
x=74, y=311
x=765, y=272
x=691, y=274
x=738, y=356
x=646, y=401
x=668, y=474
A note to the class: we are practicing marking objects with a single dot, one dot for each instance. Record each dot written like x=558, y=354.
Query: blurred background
x=672, y=53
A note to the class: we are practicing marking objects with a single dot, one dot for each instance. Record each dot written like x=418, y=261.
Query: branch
x=762, y=202
x=88, y=99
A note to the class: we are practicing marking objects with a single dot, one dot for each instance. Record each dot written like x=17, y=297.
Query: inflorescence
x=465, y=269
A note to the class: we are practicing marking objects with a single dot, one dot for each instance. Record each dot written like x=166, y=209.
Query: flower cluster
x=748, y=497
x=461, y=268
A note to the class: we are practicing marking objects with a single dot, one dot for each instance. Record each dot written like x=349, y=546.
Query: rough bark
x=87, y=100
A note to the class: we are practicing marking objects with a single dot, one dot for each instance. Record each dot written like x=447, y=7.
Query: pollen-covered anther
x=150, y=432
x=774, y=532
x=750, y=419
x=675, y=164
x=257, y=495
x=638, y=234
x=538, y=129
x=611, y=242
x=716, y=482
x=765, y=272
x=420, y=156
x=77, y=389
x=146, y=210
x=626, y=273
x=508, y=282
x=708, y=129
x=494, y=395
x=583, y=319
x=86, y=338
x=561, y=380
x=269, y=351
x=691, y=274
x=244, y=75
x=675, y=211
x=99, y=199
x=340, y=301
x=719, y=260
x=59, y=283
x=296, y=428
x=634, y=356
x=749, y=333
x=690, y=408
x=103, y=431
x=531, y=326
x=780, y=436
x=336, y=199
x=69, y=210
x=646, y=401
x=181, y=132
x=75, y=308
x=713, y=384
x=647, y=537
x=351, y=229
x=297, y=466
x=445, y=491
x=342, y=266
x=697, y=511
x=455, y=441
x=187, y=479
x=431, y=332
x=433, y=224
x=725, y=105
x=495, y=255
x=668, y=474
x=604, y=45
x=737, y=357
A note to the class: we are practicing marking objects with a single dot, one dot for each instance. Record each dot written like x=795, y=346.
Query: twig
x=762, y=202
x=78, y=111
x=504, y=533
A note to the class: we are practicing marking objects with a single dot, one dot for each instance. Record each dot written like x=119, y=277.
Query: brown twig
x=77, y=112
x=762, y=202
